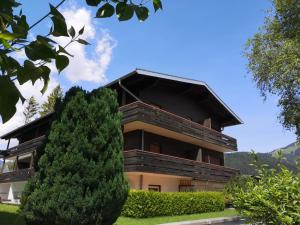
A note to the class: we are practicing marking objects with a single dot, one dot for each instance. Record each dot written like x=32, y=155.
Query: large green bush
x=236, y=182
x=273, y=198
x=143, y=204
x=80, y=178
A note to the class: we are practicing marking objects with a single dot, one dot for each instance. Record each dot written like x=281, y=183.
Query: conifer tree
x=80, y=178
x=31, y=109
x=48, y=106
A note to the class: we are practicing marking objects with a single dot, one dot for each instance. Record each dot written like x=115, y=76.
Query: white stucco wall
x=4, y=189
x=167, y=183
x=15, y=190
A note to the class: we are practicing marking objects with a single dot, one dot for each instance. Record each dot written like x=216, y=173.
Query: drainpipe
x=129, y=92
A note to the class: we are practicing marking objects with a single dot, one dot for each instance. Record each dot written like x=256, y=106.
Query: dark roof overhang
x=194, y=87
x=26, y=127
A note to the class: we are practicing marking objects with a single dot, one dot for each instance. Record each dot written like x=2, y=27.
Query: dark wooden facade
x=139, y=111
x=166, y=124
x=149, y=162
x=139, y=161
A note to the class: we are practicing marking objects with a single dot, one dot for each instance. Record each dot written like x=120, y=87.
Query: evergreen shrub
x=142, y=204
x=79, y=178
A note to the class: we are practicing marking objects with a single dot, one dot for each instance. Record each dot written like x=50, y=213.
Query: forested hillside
x=241, y=160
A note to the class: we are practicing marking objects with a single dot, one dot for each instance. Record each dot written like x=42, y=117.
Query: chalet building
x=173, y=138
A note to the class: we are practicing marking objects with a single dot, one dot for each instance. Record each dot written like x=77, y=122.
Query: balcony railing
x=144, y=161
x=26, y=147
x=18, y=175
x=139, y=111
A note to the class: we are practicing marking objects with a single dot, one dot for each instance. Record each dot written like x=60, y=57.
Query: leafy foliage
x=143, y=204
x=272, y=199
x=31, y=109
x=49, y=105
x=14, y=30
x=80, y=176
x=274, y=59
x=236, y=182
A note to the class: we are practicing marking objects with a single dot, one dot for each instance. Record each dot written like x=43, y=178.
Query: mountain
x=241, y=160
x=291, y=149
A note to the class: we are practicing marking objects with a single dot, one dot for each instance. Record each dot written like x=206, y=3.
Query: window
x=152, y=187
x=154, y=147
x=186, y=186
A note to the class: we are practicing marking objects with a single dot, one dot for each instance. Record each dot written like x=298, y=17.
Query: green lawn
x=9, y=216
x=168, y=219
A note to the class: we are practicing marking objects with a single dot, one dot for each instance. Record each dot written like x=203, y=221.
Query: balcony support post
x=143, y=140
x=141, y=181
x=8, y=144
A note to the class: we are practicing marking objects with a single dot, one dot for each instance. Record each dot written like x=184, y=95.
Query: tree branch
x=44, y=17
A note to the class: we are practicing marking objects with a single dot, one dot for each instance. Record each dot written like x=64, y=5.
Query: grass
x=9, y=216
x=168, y=219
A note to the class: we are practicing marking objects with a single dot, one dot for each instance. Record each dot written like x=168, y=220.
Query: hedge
x=142, y=204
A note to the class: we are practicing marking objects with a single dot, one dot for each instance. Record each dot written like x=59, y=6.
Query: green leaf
x=142, y=13
x=21, y=26
x=9, y=36
x=63, y=50
x=124, y=11
x=46, y=77
x=45, y=40
x=157, y=5
x=81, y=41
x=59, y=23
x=107, y=10
x=5, y=44
x=72, y=31
x=81, y=31
x=55, y=12
x=37, y=50
x=27, y=73
x=59, y=27
x=93, y=2
x=9, y=96
x=61, y=62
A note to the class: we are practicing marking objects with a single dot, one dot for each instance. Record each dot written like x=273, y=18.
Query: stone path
x=232, y=220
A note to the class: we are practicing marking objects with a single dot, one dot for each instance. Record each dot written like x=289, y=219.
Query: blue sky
x=202, y=40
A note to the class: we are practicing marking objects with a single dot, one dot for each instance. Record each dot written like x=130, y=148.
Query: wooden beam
x=148, y=162
x=8, y=144
x=145, y=113
x=141, y=181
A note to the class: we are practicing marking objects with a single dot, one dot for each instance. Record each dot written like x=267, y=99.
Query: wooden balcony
x=163, y=122
x=28, y=146
x=18, y=175
x=148, y=162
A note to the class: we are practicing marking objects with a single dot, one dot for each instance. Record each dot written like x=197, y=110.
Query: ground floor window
x=152, y=187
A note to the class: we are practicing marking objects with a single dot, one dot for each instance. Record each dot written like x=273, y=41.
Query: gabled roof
x=14, y=133
x=31, y=125
x=149, y=73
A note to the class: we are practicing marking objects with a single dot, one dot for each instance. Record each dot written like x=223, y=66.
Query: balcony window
x=9, y=165
x=155, y=147
x=24, y=161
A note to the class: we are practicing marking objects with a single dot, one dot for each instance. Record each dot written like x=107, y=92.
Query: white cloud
x=84, y=66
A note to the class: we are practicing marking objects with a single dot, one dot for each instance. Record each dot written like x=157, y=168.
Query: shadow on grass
x=7, y=218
